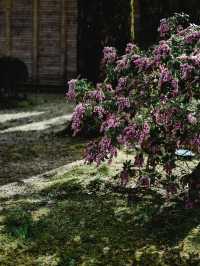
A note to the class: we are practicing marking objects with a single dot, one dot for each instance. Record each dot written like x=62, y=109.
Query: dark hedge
x=102, y=23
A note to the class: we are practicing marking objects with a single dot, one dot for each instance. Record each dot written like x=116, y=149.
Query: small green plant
x=19, y=223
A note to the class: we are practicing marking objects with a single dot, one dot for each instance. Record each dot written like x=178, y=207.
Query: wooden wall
x=42, y=33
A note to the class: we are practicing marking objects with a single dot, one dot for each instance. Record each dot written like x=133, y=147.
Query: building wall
x=43, y=34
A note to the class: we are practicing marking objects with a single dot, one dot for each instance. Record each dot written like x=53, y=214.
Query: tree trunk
x=193, y=181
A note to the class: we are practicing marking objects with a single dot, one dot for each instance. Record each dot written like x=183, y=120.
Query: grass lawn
x=78, y=219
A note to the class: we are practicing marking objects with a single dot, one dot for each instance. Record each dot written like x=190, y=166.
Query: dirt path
x=29, y=139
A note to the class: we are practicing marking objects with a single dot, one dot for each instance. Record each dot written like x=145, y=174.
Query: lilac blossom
x=111, y=122
x=123, y=103
x=122, y=64
x=77, y=118
x=162, y=51
x=186, y=71
x=109, y=55
x=122, y=83
x=129, y=135
x=191, y=119
x=164, y=28
x=193, y=37
x=99, y=111
x=130, y=48
x=98, y=95
x=165, y=76
x=71, y=94
x=98, y=152
x=142, y=63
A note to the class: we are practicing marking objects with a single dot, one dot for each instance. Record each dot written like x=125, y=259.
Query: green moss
x=74, y=221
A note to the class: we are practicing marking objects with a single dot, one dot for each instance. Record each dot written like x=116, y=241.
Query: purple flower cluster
x=192, y=38
x=142, y=63
x=195, y=60
x=123, y=103
x=122, y=64
x=144, y=134
x=71, y=94
x=129, y=135
x=164, y=28
x=77, y=118
x=109, y=55
x=186, y=71
x=131, y=48
x=122, y=83
x=162, y=51
x=99, y=111
x=165, y=76
x=97, y=95
x=191, y=119
x=111, y=122
x=98, y=152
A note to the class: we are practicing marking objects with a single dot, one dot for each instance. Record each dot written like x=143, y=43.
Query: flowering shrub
x=149, y=102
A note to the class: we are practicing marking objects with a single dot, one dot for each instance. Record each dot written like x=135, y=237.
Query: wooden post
x=35, y=40
x=63, y=39
x=133, y=19
x=8, y=6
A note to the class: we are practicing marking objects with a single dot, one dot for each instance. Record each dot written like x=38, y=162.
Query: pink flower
x=131, y=48
x=100, y=111
x=97, y=95
x=122, y=83
x=162, y=51
x=77, y=118
x=98, y=152
x=164, y=28
x=111, y=122
x=128, y=135
x=186, y=71
x=142, y=63
x=123, y=103
x=71, y=94
x=109, y=55
x=193, y=37
x=191, y=119
x=165, y=76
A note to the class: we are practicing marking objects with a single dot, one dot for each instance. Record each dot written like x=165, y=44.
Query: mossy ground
x=77, y=219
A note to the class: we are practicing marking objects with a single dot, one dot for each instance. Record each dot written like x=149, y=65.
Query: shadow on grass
x=33, y=154
x=87, y=227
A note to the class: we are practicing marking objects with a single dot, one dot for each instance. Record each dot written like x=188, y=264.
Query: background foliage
x=102, y=23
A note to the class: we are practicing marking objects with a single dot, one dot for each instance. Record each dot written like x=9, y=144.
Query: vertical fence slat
x=35, y=39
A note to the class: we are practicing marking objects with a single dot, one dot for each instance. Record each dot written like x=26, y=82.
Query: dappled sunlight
x=42, y=125
x=4, y=117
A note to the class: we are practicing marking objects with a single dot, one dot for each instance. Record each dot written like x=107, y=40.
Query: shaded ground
x=77, y=219
x=26, y=153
